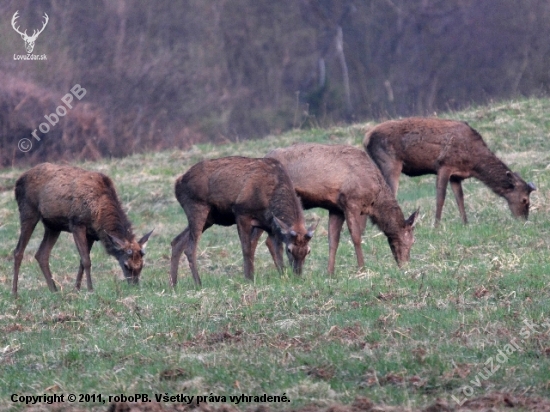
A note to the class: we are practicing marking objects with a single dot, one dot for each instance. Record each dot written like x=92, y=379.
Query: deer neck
x=493, y=173
x=286, y=206
x=387, y=214
x=113, y=221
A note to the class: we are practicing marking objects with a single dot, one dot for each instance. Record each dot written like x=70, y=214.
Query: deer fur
x=344, y=180
x=81, y=202
x=255, y=194
x=450, y=149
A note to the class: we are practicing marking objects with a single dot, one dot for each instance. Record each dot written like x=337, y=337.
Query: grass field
x=473, y=299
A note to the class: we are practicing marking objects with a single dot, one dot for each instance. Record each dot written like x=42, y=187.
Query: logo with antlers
x=29, y=40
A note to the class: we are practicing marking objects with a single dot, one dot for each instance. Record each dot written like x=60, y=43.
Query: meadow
x=441, y=329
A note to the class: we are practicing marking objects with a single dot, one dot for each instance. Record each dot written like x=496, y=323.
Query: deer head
x=130, y=256
x=29, y=40
x=296, y=242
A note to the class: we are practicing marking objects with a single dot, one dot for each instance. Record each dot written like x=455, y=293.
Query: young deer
x=83, y=203
x=255, y=194
x=451, y=150
x=345, y=181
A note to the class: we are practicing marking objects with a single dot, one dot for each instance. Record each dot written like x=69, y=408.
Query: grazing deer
x=84, y=203
x=344, y=180
x=450, y=149
x=29, y=40
x=255, y=194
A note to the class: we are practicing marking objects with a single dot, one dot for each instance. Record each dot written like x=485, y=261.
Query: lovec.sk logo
x=29, y=40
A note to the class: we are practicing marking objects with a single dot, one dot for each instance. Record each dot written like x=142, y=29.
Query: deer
x=81, y=202
x=453, y=151
x=29, y=40
x=344, y=180
x=255, y=194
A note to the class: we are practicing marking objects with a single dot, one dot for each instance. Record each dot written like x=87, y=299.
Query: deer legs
x=43, y=255
x=456, y=185
x=354, y=222
x=178, y=244
x=275, y=248
x=27, y=227
x=335, y=223
x=81, y=269
x=440, y=192
x=187, y=242
x=356, y=225
x=444, y=177
x=84, y=245
x=248, y=245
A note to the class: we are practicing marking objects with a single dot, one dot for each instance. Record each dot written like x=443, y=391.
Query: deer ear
x=281, y=225
x=511, y=177
x=412, y=218
x=143, y=241
x=118, y=243
x=311, y=229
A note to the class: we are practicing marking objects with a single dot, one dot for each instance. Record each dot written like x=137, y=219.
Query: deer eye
x=129, y=252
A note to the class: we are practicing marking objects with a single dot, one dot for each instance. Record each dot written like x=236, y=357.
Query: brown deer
x=81, y=202
x=451, y=150
x=255, y=194
x=344, y=180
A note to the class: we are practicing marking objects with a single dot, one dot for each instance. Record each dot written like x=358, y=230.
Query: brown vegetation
x=345, y=181
x=450, y=149
x=81, y=134
x=167, y=74
x=83, y=203
x=255, y=194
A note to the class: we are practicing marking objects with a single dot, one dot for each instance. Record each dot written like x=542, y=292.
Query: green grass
x=400, y=337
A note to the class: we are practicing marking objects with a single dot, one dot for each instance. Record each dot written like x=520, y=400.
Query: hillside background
x=168, y=74
x=377, y=338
